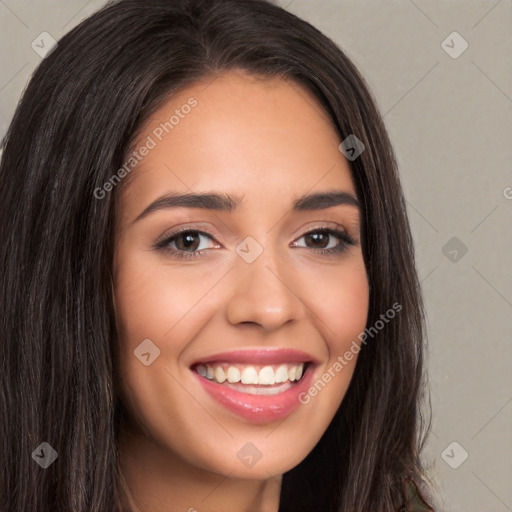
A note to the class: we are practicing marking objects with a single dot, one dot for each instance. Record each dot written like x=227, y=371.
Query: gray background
x=450, y=120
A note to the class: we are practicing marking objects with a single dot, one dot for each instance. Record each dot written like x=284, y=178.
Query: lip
x=259, y=409
x=259, y=356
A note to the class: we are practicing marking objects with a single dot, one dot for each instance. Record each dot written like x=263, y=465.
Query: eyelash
x=346, y=241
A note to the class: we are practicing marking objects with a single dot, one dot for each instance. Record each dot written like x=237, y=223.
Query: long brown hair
x=70, y=134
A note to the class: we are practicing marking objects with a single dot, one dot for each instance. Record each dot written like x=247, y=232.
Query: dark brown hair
x=70, y=134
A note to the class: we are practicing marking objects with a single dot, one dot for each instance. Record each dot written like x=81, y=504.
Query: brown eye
x=319, y=241
x=188, y=240
x=318, y=238
x=184, y=243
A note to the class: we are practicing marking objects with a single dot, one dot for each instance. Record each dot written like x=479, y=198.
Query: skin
x=268, y=141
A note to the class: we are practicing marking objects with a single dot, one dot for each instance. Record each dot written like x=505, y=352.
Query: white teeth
x=266, y=376
x=233, y=374
x=281, y=374
x=220, y=376
x=249, y=375
x=261, y=390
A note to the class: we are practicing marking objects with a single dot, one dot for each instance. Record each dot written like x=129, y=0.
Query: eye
x=325, y=240
x=186, y=243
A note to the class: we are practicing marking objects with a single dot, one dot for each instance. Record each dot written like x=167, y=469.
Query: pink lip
x=259, y=356
x=259, y=409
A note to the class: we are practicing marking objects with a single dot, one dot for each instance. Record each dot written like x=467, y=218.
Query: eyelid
x=316, y=225
x=171, y=234
x=331, y=225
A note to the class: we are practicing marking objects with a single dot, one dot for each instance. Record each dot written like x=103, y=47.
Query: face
x=236, y=312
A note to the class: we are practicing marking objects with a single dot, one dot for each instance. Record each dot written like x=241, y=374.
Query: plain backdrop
x=447, y=103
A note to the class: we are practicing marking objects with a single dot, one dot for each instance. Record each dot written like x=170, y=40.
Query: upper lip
x=259, y=356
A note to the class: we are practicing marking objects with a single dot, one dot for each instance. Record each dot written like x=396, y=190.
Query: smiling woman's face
x=247, y=287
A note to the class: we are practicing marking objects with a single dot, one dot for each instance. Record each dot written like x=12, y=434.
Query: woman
x=258, y=372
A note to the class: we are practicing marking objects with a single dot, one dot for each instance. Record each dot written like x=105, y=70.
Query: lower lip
x=259, y=408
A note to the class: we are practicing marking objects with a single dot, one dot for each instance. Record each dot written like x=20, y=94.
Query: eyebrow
x=230, y=203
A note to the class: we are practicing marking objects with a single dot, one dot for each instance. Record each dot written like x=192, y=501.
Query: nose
x=264, y=294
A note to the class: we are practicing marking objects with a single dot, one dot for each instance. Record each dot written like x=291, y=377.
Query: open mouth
x=268, y=379
x=258, y=385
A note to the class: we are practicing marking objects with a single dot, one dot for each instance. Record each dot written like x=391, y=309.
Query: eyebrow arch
x=229, y=203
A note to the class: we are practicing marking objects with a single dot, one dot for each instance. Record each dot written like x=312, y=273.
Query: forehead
x=261, y=138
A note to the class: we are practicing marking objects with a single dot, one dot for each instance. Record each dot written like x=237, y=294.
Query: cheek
x=152, y=304
x=342, y=310
x=165, y=306
x=146, y=308
x=342, y=303
x=150, y=301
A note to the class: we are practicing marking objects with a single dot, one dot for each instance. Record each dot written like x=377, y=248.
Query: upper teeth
x=267, y=375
